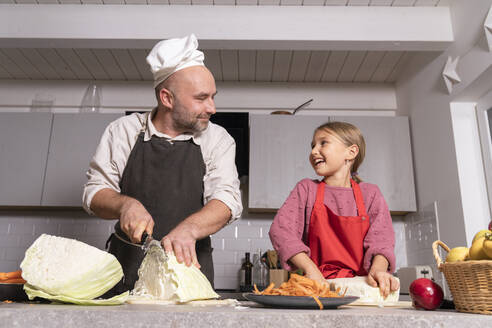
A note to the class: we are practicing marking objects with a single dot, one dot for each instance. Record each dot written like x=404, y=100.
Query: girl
x=338, y=227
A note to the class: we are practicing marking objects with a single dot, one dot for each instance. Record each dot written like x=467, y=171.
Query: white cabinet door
x=388, y=160
x=24, y=140
x=279, y=156
x=73, y=143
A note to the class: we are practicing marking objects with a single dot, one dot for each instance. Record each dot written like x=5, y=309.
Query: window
x=484, y=118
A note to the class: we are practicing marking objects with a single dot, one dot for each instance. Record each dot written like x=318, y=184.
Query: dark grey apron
x=167, y=178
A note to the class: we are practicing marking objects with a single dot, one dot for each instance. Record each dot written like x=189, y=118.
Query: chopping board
x=399, y=304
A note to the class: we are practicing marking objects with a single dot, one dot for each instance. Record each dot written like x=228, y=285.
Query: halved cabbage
x=161, y=277
x=63, y=267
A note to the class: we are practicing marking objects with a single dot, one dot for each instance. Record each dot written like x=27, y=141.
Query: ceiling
x=128, y=64
x=243, y=2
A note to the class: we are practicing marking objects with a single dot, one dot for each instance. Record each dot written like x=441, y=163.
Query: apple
x=490, y=225
x=425, y=294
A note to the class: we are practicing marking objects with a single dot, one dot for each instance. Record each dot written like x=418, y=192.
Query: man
x=170, y=173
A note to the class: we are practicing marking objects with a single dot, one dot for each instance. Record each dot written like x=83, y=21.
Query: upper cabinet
x=44, y=156
x=74, y=140
x=279, y=156
x=24, y=140
x=388, y=160
x=280, y=146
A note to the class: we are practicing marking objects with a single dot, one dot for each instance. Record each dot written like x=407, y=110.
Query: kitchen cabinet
x=280, y=146
x=388, y=161
x=279, y=156
x=24, y=140
x=74, y=140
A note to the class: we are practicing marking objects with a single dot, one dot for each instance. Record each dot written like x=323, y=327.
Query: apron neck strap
x=359, y=200
x=320, y=193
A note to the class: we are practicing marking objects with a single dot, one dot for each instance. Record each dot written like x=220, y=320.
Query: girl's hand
x=311, y=271
x=316, y=275
x=386, y=282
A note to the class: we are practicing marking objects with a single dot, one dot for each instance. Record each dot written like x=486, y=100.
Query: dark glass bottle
x=245, y=284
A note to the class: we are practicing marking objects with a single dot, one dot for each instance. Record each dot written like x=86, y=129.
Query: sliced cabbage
x=62, y=267
x=161, y=277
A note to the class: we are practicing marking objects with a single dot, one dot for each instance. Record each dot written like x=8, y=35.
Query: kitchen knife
x=147, y=241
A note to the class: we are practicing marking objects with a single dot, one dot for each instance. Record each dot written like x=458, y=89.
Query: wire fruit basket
x=470, y=282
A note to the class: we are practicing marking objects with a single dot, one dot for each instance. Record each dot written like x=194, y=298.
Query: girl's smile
x=328, y=154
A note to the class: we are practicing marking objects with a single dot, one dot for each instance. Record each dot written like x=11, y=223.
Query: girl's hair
x=350, y=135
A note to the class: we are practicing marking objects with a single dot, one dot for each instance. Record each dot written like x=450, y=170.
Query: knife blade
x=147, y=241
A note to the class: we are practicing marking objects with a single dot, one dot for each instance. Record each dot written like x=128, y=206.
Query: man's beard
x=187, y=122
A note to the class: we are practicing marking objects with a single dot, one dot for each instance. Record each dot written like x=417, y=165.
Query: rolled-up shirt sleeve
x=287, y=229
x=380, y=238
x=103, y=172
x=221, y=179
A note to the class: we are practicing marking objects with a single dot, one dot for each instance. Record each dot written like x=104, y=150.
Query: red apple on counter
x=425, y=294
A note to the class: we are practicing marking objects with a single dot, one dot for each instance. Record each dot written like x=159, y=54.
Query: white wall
x=421, y=94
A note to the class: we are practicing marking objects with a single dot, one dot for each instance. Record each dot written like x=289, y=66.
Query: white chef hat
x=172, y=55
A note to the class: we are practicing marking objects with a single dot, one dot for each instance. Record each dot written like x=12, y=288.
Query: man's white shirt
x=218, y=150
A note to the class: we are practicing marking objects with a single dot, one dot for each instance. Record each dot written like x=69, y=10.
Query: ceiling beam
x=227, y=27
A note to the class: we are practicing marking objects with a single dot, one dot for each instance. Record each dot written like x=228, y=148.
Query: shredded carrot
x=13, y=281
x=301, y=286
x=317, y=301
x=10, y=275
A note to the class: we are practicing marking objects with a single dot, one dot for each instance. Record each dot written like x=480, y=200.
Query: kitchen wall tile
x=232, y=270
x=47, y=227
x=14, y=254
x=96, y=241
x=20, y=227
x=224, y=282
x=27, y=240
x=237, y=244
x=217, y=243
x=9, y=241
x=229, y=231
x=97, y=227
x=8, y=266
x=249, y=232
x=263, y=244
x=4, y=227
x=219, y=270
x=73, y=229
x=224, y=257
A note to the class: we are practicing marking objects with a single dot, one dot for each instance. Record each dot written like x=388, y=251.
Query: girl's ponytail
x=355, y=177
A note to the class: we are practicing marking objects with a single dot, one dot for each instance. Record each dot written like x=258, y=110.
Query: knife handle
x=144, y=237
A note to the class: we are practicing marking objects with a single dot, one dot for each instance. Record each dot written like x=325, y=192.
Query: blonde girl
x=338, y=226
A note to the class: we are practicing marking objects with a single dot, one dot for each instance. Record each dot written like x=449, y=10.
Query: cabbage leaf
x=33, y=292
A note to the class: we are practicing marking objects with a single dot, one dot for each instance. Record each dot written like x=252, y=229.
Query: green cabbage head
x=70, y=271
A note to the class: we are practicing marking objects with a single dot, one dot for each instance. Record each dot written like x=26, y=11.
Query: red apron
x=337, y=242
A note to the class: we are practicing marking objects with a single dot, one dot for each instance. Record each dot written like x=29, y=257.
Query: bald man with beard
x=170, y=173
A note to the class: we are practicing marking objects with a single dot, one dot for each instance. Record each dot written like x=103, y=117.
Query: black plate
x=299, y=302
x=12, y=292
